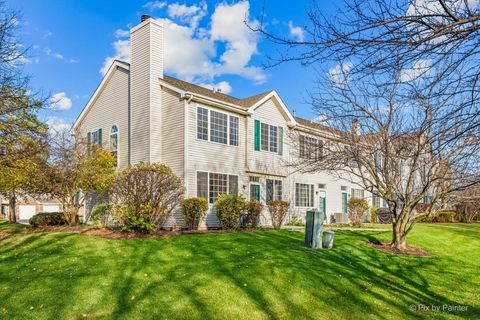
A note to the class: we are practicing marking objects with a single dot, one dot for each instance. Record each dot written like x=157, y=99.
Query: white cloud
x=56, y=125
x=58, y=56
x=338, y=75
x=419, y=69
x=188, y=14
x=296, y=32
x=120, y=33
x=60, y=101
x=48, y=34
x=190, y=52
x=223, y=86
x=122, y=52
x=154, y=5
x=241, y=43
x=433, y=7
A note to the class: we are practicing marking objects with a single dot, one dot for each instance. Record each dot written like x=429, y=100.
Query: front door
x=254, y=192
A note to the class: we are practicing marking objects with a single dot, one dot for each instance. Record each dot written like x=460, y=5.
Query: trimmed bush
x=135, y=220
x=296, y=221
x=373, y=214
x=278, y=210
x=357, y=210
x=101, y=214
x=43, y=219
x=253, y=213
x=145, y=195
x=444, y=216
x=193, y=210
x=230, y=208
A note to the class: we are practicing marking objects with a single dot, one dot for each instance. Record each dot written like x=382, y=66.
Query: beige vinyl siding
x=172, y=132
x=210, y=156
x=110, y=107
x=157, y=112
x=140, y=94
x=265, y=161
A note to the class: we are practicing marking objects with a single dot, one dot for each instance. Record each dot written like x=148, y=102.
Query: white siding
x=110, y=107
x=172, y=132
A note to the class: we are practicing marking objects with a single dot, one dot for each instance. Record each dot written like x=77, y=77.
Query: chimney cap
x=145, y=17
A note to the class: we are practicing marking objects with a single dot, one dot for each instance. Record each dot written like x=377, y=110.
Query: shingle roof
x=193, y=88
x=315, y=125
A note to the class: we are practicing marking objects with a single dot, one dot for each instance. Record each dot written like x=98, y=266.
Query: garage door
x=51, y=208
x=26, y=211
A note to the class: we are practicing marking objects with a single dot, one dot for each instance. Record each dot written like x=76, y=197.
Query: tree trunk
x=399, y=237
x=12, y=212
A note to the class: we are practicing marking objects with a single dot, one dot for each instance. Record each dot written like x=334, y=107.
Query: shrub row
x=43, y=219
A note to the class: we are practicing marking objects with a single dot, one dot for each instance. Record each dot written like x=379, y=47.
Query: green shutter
x=100, y=137
x=257, y=135
x=280, y=140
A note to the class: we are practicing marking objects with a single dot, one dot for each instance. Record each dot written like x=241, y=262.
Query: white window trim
x=118, y=141
x=208, y=182
x=295, y=194
x=268, y=140
x=208, y=123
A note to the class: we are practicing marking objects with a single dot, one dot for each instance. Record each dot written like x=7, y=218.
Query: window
x=202, y=123
x=378, y=159
x=233, y=131
x=114, y=139
x=202, y=185
x=321, y=186
x=273, y=139
x=274, y=190
x=217, y=126
x=114, y=142
x=264, y=137
x=211, y=185
x=268, y=137
x=376, y=201
x=357, y=193
x=310, y=147
x=304, y=195
x=94, y=138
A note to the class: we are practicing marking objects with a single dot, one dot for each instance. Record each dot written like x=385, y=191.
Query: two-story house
x=214, y=142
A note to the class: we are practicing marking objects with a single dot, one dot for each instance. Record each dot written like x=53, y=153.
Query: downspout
x=185, y=145
x=129, y=114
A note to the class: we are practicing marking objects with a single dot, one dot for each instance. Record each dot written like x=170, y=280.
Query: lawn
x=256, y=275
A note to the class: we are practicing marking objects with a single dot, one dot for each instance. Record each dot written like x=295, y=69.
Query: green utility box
x=314, y=229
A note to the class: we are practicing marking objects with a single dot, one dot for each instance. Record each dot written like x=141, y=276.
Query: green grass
x=267, y=274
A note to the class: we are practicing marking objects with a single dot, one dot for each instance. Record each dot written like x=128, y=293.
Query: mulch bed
x=409, y=250
x=115, y=234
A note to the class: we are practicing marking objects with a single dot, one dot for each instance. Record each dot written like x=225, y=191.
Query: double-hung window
x=358, y=193
x=210, y=185
x=268, y=137
x=274, y=190
x=217, y=126
x=310, y=148
x=304, y=195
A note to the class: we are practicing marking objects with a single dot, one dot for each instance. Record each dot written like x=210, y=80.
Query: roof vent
x=145, y=17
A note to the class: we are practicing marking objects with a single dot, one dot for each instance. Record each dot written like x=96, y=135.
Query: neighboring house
x=214, y=142
x=26, y=207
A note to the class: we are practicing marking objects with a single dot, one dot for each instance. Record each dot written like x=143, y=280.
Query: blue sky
x=73, y=41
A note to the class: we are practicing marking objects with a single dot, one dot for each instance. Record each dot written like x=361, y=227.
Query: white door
x=51, y=208
x=26, y=211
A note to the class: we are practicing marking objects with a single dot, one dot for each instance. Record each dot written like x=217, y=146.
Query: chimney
x=355, y=127
x=146, y=67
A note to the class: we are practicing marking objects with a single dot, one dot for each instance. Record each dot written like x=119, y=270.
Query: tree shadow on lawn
x=209, y=276
x=271, y=269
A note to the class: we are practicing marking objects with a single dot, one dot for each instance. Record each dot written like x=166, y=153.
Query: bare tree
x=392, y=138
x=467, y=203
